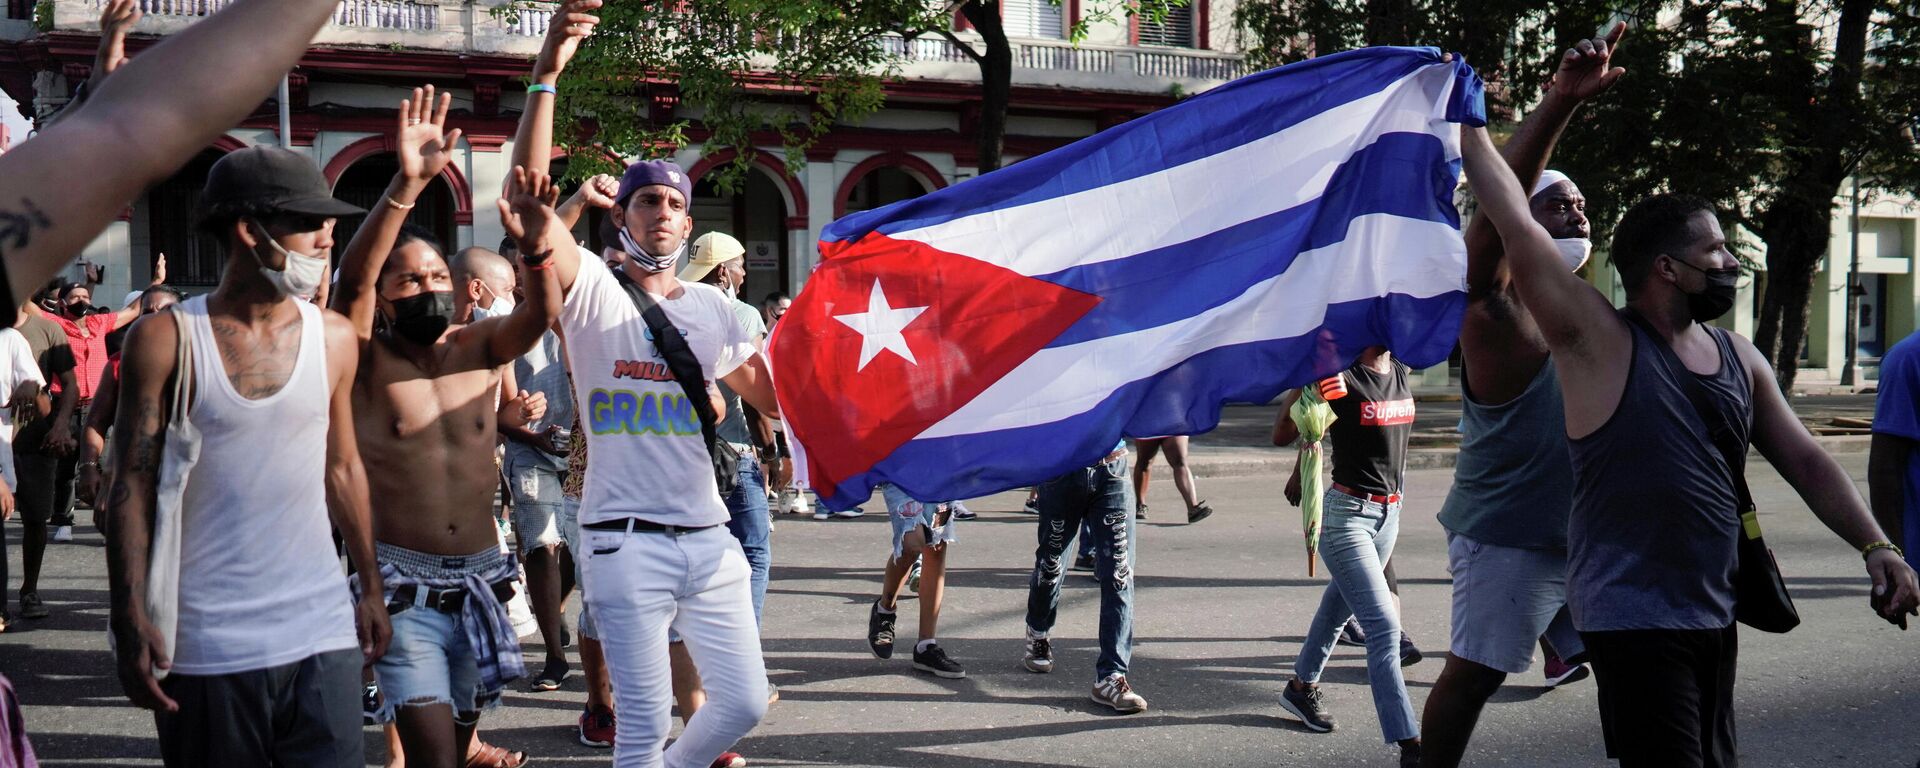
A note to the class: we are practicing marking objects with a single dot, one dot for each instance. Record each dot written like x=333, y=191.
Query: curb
x=1256, y=462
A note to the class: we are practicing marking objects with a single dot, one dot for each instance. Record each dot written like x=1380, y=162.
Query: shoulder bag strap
x=1718, y=430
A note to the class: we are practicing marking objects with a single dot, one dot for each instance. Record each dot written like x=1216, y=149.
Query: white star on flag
x=880, y=326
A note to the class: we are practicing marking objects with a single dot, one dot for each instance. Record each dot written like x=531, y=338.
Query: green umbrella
x=1314, y=417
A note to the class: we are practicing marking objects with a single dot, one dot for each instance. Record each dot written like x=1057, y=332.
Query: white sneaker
x=848, y=514
x=63, y=533
x=1116, y=693
x=799, y=505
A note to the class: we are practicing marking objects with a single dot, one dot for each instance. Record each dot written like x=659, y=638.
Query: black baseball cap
x=269, y=179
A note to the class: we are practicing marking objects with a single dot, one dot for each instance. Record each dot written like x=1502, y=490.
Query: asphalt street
x=1220, y=612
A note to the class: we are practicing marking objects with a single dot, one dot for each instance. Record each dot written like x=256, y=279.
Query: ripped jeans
x=1103, y=495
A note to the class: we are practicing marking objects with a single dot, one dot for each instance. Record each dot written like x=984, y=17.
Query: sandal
x=486, y=755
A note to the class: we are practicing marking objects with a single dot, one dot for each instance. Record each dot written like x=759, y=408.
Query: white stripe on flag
x=1061, y=382
x=1187, y=201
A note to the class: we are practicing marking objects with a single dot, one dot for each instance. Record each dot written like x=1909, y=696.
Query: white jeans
x=639, y=584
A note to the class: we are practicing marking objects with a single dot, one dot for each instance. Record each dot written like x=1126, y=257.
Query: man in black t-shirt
x=1374, y=407
x=36, y=456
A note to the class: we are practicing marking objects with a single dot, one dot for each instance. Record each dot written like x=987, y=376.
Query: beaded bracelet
x=1868, y=549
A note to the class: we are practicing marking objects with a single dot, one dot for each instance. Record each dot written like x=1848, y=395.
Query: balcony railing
x=1186, y=65
x=1063, y=57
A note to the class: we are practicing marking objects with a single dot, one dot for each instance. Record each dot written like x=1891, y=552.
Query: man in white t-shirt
x=657, y=551
x=21, y=385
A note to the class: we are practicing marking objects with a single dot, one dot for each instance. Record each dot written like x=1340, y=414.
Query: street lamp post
x=1854, y=291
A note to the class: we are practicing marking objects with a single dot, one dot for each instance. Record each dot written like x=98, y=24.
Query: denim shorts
x=429, y=661
x=539, y=519
x=1506, y=598
x=907, y=514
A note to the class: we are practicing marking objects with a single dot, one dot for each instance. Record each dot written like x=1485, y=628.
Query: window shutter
x=1175, y=31
x=1032, y=19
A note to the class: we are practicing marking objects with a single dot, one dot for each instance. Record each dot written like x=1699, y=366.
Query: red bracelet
x=543, y=266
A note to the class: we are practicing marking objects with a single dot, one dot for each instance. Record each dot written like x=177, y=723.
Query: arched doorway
x=365, y=184
x=755, y=213
x=586, y=231
x=884, y=186
x=194, y=260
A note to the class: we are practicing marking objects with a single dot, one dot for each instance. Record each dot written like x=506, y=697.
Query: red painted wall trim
x=765, y=160
x=373, y=145
x=924, y=170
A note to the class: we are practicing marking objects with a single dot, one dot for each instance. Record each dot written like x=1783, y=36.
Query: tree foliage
x=743, y=69
x=1762, y=106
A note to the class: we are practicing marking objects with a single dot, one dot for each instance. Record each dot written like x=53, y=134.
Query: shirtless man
x=426, y=394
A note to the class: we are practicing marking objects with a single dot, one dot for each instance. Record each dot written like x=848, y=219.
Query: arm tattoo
x=17, y=226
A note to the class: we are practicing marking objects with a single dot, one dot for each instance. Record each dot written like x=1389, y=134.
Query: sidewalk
x=1241, y=445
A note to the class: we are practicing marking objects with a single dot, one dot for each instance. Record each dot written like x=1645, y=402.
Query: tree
x=794, y=68
x=1764, y=107
x=994, y=55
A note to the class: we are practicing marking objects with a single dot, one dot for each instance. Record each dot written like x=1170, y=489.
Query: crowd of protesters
x=237, y=446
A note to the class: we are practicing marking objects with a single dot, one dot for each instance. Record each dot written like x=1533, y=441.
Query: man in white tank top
x=269, y=644
x=655, y=547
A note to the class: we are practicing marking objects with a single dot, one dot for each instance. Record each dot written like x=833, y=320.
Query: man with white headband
x=1506, y=517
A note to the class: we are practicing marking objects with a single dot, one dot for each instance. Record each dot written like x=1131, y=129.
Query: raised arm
x=425, y=147
x=146, y=121
x=146, y=364
x=527, y=214
x=533, y=140
x=597, y=192
x=346, y=483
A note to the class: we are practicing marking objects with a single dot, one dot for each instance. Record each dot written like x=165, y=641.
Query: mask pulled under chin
x=302, y=275
x=1574, y=251
x=423, y=318
x=648, y=261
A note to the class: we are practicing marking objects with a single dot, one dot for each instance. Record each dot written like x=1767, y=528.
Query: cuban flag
x=1251, y=239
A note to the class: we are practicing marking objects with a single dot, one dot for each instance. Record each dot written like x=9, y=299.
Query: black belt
x=633, y=524
x=451, y=600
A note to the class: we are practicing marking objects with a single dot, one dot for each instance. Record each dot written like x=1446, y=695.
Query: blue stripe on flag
x=1239, y=112
x=1404, y=174
x=1183, y=400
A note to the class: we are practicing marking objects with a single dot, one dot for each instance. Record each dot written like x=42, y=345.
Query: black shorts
x=1666, y=695
x=306, y=713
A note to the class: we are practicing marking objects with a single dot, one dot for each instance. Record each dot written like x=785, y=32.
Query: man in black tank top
x=1656, y=518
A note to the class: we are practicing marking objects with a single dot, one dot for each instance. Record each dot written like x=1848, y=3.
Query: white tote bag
x=181, y=452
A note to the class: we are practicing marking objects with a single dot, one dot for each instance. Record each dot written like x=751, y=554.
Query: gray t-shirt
x=733, y=428
x=542, y=370
x=1513, y=485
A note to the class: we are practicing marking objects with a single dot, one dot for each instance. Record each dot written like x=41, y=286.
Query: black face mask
x=1709, y=304
x=421, y=318
x=79, y=309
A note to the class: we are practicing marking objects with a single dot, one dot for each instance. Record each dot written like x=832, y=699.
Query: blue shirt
x=542, y=370
x=1897, y=413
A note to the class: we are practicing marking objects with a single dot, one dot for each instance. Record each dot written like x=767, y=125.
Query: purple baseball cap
x=647, y=173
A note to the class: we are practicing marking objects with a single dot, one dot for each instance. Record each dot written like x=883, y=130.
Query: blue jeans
x=1356, y=539
x=1102, y=493
x=748, y=504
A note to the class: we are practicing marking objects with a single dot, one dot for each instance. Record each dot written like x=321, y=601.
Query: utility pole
x=286, y=115
x=1854, y=291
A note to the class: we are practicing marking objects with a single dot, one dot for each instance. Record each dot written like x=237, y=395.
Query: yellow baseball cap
x=711, y=250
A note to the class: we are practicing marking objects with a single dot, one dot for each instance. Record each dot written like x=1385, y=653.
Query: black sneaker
x=1306, y=705
x=1039, y=655
x=1140, y=511
x=880, y=632
x=1198, y=513
x=1352, y=634
x=550, y=678
x=934, y=660
x=960, y=512
x=1409, y=653
x=1083, y=563
x=31, y=607
x=1032, y=507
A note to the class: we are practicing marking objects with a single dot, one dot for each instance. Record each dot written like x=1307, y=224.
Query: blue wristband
x=542, y=88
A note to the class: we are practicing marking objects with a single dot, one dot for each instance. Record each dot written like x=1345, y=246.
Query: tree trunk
x=996, y=80
x=1799, y=213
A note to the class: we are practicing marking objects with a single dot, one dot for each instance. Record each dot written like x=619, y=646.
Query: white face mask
x=502, y=306
x=302, y=275
x=1574, y=251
